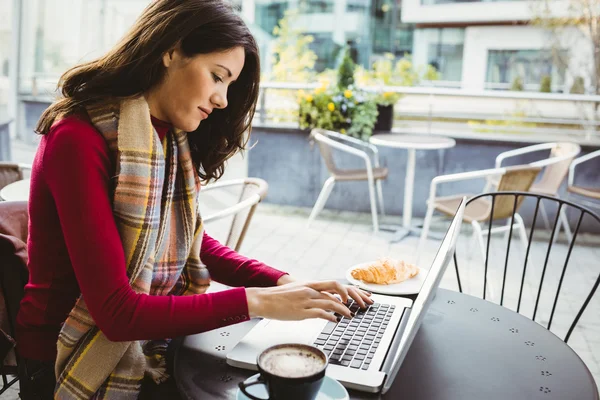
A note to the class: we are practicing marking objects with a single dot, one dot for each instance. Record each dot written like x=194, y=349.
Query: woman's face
x=194, y=86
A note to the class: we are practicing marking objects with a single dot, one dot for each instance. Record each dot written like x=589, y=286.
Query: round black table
x=467, y=348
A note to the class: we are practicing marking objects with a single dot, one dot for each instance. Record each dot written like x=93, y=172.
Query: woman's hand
x=360, y=296
x=302, y=300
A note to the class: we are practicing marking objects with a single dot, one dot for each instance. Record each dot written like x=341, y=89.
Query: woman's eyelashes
x=217, y=78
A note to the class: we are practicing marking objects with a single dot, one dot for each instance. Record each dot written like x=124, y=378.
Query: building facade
x=488, y=44
x=474, y=44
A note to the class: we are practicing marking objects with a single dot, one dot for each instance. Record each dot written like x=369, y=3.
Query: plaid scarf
x=155, y=209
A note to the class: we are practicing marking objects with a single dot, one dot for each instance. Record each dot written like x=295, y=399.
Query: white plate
x=410, y=286
x=330, y=390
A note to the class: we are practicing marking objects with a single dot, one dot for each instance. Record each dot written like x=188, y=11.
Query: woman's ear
x=168, y=58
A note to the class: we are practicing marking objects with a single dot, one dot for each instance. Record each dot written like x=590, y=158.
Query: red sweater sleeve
x=77, y=171
x=230, y=268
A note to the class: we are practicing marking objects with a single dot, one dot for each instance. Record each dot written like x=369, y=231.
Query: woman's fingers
x=318, y=313
x=330, y=305
x=330, y=286
x=353, y=292
x=332, y=297
x=360, y=296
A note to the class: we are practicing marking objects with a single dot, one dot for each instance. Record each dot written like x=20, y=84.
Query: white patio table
x=411, y=143
x=16, y=191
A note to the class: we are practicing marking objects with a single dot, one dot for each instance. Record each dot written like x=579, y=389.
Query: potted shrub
x=340, y=107
x=546, y=84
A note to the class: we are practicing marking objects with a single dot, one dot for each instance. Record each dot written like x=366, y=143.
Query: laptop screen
x=427, y=293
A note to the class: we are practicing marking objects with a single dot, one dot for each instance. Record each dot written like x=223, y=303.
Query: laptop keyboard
x=352, y=342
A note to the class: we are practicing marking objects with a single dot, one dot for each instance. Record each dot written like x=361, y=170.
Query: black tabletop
x=467, y=348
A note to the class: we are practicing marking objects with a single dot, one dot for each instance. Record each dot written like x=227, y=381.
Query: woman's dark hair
x=135, y=65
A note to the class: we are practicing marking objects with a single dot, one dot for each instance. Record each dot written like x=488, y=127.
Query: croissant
x=384, y=272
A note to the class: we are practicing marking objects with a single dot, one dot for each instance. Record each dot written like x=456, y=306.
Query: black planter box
x=385, y=118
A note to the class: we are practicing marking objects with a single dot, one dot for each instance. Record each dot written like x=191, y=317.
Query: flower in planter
x=341, y=107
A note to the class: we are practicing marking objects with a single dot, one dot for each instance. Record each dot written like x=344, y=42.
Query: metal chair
x=589, y=196
x=13, y=277
x=560, y=154
x=503, y=252
x=12, y=172
x=517, y=178
x=247, y=193
x=552, y=176
x=372, y=173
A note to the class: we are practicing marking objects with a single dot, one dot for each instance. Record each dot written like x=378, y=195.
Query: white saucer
x=330, y=390
x=410, y=286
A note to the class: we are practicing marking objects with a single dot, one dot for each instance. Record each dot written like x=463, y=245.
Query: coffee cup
x=289, y=372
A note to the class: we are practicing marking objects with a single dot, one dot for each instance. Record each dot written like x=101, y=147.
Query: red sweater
x=74, y=248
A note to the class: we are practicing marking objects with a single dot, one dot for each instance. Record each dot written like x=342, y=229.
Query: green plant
x=346, y=71
x=517, y=84
x=293, y=60
x=546, y=84
x=385, y=72
x=578, y=86
x=340, y=107
x=431, y=73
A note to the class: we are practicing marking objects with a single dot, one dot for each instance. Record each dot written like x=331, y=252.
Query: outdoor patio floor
x=337, y=240
x=279, y=237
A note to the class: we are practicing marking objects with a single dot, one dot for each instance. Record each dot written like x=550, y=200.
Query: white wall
x=480, y=39
x=413, y=11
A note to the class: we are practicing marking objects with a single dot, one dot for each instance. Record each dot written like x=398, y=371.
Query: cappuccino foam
x=292, y=363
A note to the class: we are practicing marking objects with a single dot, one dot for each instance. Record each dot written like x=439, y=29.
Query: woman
x=118, y=258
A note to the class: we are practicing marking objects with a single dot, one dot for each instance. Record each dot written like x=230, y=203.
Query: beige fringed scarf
x=155, y=209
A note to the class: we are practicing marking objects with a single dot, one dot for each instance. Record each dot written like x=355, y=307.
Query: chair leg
x=544, y=215
x=373, y=206
x=565, y=223
x=380, y=195
x=478, y=236
x=522, y=231
x=424, y=232
x=322, y=199
x=558, y=224
x=507, y=233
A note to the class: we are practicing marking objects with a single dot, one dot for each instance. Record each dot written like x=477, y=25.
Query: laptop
x=365, y=352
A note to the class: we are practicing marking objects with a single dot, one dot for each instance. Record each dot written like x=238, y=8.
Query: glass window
x=315, y=6
x=358, y=5
x=326, y=50
x=268, y=14
x=390, y=35
x=5, y=50
x=433, y=2
x=58, y=34
x=530, y=65
x=444, y=50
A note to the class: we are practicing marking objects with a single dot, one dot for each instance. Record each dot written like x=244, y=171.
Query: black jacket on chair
x=13, y=273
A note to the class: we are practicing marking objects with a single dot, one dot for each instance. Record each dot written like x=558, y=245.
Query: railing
x=437, y=107
x=431, y=109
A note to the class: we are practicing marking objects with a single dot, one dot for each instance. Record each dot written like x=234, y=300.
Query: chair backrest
x=13, y=273
x=248, y=193
x=542, y=282
x=555, y=173
x=326, y=151
x=9, y=173
x=518, y=178
x=328, y=141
